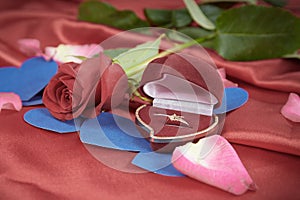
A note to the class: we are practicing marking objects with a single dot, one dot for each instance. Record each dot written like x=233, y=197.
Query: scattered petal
x=10, y=101
x=71, y=53
x=226, y=82
x=213, y=161
x=291, y=109
x=31, y=47
x=49, y=53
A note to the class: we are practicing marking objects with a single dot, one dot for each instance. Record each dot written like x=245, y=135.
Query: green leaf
x=177, y=36
x=124, y=20
x=181, y=18
x=136, y=59
x=168, y=18
x=211, y=11
x=178, y=18
x=218, y=1
x=196, y=32
x=158, y=17
x=279, y=3
x=198, y=15
x=112, y=53
x=257, y=32
x=103, y=13
x=94, y=11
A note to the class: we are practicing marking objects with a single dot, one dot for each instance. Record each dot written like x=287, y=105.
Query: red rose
x=85, y=89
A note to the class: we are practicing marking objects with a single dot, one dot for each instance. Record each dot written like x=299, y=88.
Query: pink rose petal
x=62, y=53
x=31, y=47
x=226, y=82
x=87, y=50
x=291, y=109
x=11, y=101
x=213, y=161
x=49, y=53
x=69, y=53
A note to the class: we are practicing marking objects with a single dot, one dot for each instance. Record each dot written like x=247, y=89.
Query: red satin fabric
x=259, y=122
x=38, y=164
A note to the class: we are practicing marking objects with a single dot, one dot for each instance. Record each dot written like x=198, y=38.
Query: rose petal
x=226, y=82
x=30, y=47
x=111, y=86
x=85, y=89
x=49, y=52
x=291, y=109
x=213, y=161
x=68, y=53
x=87, y=50
x=10, y=100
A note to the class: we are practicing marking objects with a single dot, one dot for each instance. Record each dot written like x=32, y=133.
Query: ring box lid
x=172, y=92
x=197, y=71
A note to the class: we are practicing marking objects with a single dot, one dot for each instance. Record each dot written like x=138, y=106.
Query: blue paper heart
x=36, y=100
x=41, y=118
x=156, y=162
x=29, y=79
x=112, y=131
x=233, y=99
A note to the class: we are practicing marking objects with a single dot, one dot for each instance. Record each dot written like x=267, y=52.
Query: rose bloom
x=85, y=89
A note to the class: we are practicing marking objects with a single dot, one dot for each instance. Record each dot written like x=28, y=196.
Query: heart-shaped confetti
x=36, y=100
x=41, y=118
x=112, y=131
x=233, y=98
x=158, y=163
x=29, y=79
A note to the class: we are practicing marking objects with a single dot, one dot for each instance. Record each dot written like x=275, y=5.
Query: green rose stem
x=218, y=1
x=133, y=70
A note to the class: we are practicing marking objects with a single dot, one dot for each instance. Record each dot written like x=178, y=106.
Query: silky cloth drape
x=37, y=164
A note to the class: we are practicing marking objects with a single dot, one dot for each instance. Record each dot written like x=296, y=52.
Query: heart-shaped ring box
x=184, y=91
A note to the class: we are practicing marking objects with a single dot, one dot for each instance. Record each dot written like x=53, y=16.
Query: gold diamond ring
x=174, y=118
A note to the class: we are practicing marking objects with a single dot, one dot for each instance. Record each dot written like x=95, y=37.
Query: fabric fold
x=267, y=81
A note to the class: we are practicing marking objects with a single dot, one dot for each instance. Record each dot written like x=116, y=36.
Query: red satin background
x=37, y=164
